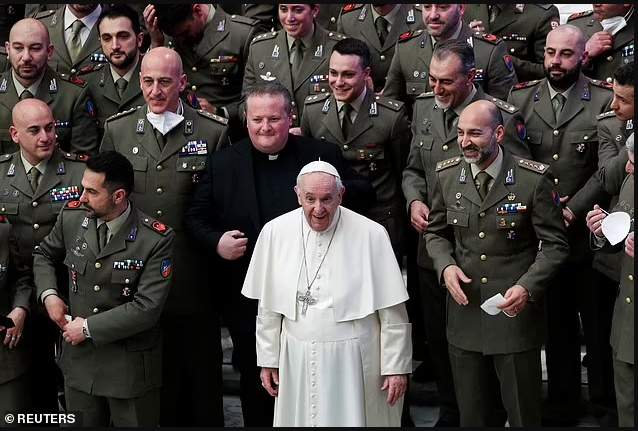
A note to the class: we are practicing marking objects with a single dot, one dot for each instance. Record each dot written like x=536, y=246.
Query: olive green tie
x=102, y=234
x=33, y=177
x=120, y=85
x=483, y=179
x=557, y=103
x=75, y=43
x=26, y=94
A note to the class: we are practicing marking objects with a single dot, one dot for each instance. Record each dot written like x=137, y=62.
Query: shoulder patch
x=425, y=95
x=74, y=205
x=395, y=105
x=444, y=164
x=1, y=219
x=525, y=84
x=123, y=113
x=316, y=98
x=580, y=15
x=351, y=6
x=5, y=158
x=336, y=36
x=157, y=226
x=488, y=37
x=90, y=68
x=244, y=20
x=510, y=109
x=532, y=165
x=264, y=36
x=602, y=84
x=72, y=79
x=409, y=35
x=604, y=115
x=76, y=157
x=217, y=118
x=44, y=14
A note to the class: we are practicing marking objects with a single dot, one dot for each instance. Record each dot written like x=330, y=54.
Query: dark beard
x=567, y=80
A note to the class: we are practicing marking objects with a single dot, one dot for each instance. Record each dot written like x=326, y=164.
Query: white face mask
x=614, y=24
x=166, y=121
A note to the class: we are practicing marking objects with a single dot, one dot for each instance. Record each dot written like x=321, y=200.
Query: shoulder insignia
x=44, y=14
x=607, y=114
x=545, y=6
x=123, y=113
x=244, y=19
x=444, y=164
x=157, y=226
x=488, y=37
x=407, y=35
x=5, y=157
x=90, y=68
x=72, y=79
x=3, y=50
x=316, y=98
x=74, y=205
x=510, y=109
x=525, y=84
x=76, y=157
x=351, y=6
x=425, y=95
x=336, y=36
x=580, y=15
x=602, y=84
x=264, y=36
x=395, y=105
x=217, y=118
x=532, y=165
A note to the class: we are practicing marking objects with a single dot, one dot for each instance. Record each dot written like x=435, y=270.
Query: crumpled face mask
x=614, y=24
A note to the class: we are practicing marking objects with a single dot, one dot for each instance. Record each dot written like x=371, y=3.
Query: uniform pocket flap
x=8, y=208
x=534, y=138
x=191, y=163
x=457, y=218
x=509, y=221
x=424, y=142
x=583, y=136
x=415, y=88
x=139, y=163
x=75, y=263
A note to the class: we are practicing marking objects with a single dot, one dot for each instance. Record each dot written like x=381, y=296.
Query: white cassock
x=332, y=360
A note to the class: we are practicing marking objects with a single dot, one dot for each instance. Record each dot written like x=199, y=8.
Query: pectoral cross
x=306, y=300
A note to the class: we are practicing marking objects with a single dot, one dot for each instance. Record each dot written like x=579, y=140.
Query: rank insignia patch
x=166, y=268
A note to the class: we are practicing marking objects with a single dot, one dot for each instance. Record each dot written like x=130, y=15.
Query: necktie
x=494, y=12
x=483, y=179
x=381, y=25
x=161, y=139
x=120, y=85
x=26, y=94
x=346, y=123
x=557, y=103
x=102, y=234
x=75, y=43
x=450, y=118
x=33, y=176
x=297, y=58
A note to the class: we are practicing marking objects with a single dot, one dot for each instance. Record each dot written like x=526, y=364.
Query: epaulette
x=3, y=50
x=351, y=7
x=602, y=84
x=264, y=36
x=444, y=164
x=123, y=113
x=425, y=95
x=532, y=165
x=336, y=36
x=44, y=14
x=244, y=20
x=607, y=114
x=5, y=157
x=74, y=205
x=409, y=35
x=544, y=6
x=73, y=79
x=76, y=157
x=395, y=105
x=156, y=226
x=525, y=84
x=214, y=117
x=314, y=98
x=488, y=37
x=580, y=15
x=90, y=68
x=510, y=109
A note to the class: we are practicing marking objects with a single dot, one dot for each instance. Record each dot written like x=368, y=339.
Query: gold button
x=72, y=266
x=631, y=277
x=556, y=181
x=223, y=70
x=610, y=58
x=513, y=224
x=482, y=214
x=36, y=226
x=96, y=310
x=194, y=69
x=484, y=280
x=609, y=80
x=194, y=88
x=556, y=132
x=555, y=157
x=159, y=167
x=512, y=50
x=483, y=257
x=159, y=190
x=96, y=288
x=127, y=281
x=98, y=265
x=628, y=300
x=382, y=58
x=345, y=147
x=445, y=148
x=481, y=235
x=33, y=204
x=160, y=213
x=73, y=71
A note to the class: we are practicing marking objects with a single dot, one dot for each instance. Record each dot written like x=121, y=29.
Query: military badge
x=406, y=36
x=554, y=23
x=166, y=268
x=126, y=291
x=160, y=227
x=193, y=101
x=556, y=197
x=509, y=62
x=522, y=131
x=90, y=107
x=74, y=204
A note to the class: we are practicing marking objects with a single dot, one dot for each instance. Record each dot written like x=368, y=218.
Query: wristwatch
x=85, y=329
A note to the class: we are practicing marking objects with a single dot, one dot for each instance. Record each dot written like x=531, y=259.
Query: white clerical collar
x=166, y=121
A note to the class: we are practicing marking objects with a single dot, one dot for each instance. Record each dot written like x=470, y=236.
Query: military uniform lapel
x=214, y=33
x=469, y=189
x=50, y=179
x=48, y=85
x=399, y=27
x=279, y=60
x=91, y=45
x=425, y=54
x=363, y=121
x=438, y=121
x=331, y=121
x=56, y=33
x=573, y=104
x=314, y=57
x=147, y=138
x=133, y=88
x=369, y=31
x=90, y=236
x=543, y=104
x=499, y=190
x=118, y=241
x=109, y=91
x=18, y=179
x=9, y=93
x=507, y=16
x=175, y=139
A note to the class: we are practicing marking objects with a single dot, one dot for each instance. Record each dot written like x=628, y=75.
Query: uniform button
x=555, y=157
x=159, y=167
x=127, y=281
x=484, y=280
x=556, y=181
x=194, y=88
x=294, y=116
x=96, y=310
x=160, y=213
x=455, y=221
x=345, y=147
x=72, y=266
x=194, y=69
x=333, y=19
x=513, y=224
x=98, y=265
x=159, y=190
x=96, y=288
x=628, y=300
x=34, y=204
x=585, y=138
x=294, y=104
x=512, y=50
x=609, y=80
x=223, y=70
x=610, y=58
x=73, y=71
x=413, y=89
x=36, y=226
x=556, y=132
x=445, y=148
x=323, y=90
x=483, y=257
x=421, y=144
x=481, y=235
x=3, y=209
x=482, y=214
x=631, y=277
x=382, y=58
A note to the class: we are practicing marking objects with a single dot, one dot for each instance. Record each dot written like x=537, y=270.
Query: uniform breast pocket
x=458, y=218
x=584, y=147
x=319, y=87
x=423, y=142
x=414, y=88
x=140, y=166
x=189, y=171
x=77, y=268
x=8, y=208
x=222, y=73
x=534, y=138
x=515, y=46
x=127, y=280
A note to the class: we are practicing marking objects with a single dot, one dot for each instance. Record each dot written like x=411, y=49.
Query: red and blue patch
x=556, y=197
x=509, y=62
x=522, y=131
x=166, y=268
x=90, y=107
x=193, y=100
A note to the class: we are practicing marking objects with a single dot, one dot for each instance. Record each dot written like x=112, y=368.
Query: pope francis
x=333, y=337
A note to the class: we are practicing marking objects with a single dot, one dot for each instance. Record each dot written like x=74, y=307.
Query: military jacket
x=621, y=53
x=481, y=237
x=72, y=106
x=4, y=59
x=120, y=290
x=357, y=20
x=410, y=67
x=524, y=28
x=269, y=61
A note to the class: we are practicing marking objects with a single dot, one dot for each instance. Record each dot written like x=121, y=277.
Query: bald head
x=486, y=110
x=31, y=28
x=33, y=130
x=162, y=79
x=480, y=131
x=163, y=56
x=570, y=35
x=26, y=110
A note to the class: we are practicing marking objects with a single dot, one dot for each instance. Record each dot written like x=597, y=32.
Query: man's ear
x=119, y=196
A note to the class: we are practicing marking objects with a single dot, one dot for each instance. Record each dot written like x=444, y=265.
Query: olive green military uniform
x=524, y=28
x=4, y=59
x=33, y=8
x=121, y=291
x=215, y=69
x=61, y=62
x=104, y=92
x=569, y=146
x=622, y=52
x=269, y=60
x=15, y=290
x=377, y=147
x=409, y=70
x=72, y=106
x=358, y=21
x=481, y=237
